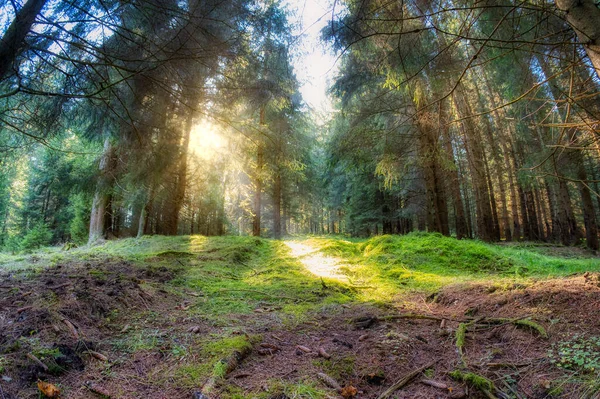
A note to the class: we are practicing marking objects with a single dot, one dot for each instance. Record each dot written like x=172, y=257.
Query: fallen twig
x=37, y=361
x=24, y=309
x=411, y=316
x=71, y=327
x=433, y=383
x=405, y=380
x=508, y=365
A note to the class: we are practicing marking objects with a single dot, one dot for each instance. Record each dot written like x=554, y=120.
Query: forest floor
x=312, y=317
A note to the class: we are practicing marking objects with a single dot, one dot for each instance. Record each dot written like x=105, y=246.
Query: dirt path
x=318, y=264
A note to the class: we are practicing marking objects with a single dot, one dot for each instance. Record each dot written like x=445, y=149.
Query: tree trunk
x=102, y=195
x=429, y=152
x=258, y=191
x=454, y=185
x=589, y=214
x=277, y=206
x=497, y=235
x=584, y=18
x=476, y=156
x=174, y=205
x=13, y=41
x=142, y=223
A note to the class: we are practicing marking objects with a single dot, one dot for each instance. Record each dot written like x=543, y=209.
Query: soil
x=369, y=350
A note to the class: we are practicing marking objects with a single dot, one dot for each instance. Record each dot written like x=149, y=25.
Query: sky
x=316, y=66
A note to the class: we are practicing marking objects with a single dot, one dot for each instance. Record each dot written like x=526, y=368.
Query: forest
x=178, y=215
x=471, y=120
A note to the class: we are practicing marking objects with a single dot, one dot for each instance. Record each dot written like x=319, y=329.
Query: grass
x=425, y=262
x=223, y=280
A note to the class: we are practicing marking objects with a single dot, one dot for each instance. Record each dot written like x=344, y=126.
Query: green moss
x=173, y=254
x=532, y=325
x=461, y=334
x=475, y=380
x=338, y=369
x=226, y=346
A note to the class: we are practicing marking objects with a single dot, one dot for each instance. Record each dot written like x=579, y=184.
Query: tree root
x=221, y=370
x=404, y=380
x=476, y=381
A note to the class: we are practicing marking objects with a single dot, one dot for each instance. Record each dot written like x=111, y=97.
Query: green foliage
x=4, y=363
x=579, y=353
x=80, y=209
x=39, y=236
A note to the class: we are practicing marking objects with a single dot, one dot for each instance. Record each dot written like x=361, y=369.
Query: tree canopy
x=471, y=119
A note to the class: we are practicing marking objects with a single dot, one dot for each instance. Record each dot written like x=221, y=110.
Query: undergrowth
x=426, y=261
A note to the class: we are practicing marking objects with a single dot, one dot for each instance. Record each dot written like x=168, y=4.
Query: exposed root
x=476, y=381
x=404, y=380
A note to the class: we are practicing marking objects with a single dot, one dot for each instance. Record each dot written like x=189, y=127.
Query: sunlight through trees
x=471, y=119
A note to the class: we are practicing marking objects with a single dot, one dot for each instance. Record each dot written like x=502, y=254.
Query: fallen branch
x=24, y=309
x=37, y=361
x=71, y=328
x=508, y=365
x=228, y=365
x=411, y=316
x=404, y=380
x=477, y=381
x=433, y=383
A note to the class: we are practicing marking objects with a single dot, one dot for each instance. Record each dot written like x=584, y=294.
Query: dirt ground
x=80, y=310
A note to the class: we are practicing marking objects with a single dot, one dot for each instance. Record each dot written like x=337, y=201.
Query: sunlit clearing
x=206, y=140
x=316, y=263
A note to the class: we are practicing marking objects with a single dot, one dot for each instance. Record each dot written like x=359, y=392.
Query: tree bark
x=437, y=208
x=454, y=184
x=589, y=214
x=102, y=195
x=13, y=41
x=171, y=222
x=258, y=191
x=584, y=18
x=277, y=206
x=475, y=152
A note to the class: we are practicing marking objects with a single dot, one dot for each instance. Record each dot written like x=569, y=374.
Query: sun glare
x=206, y=140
